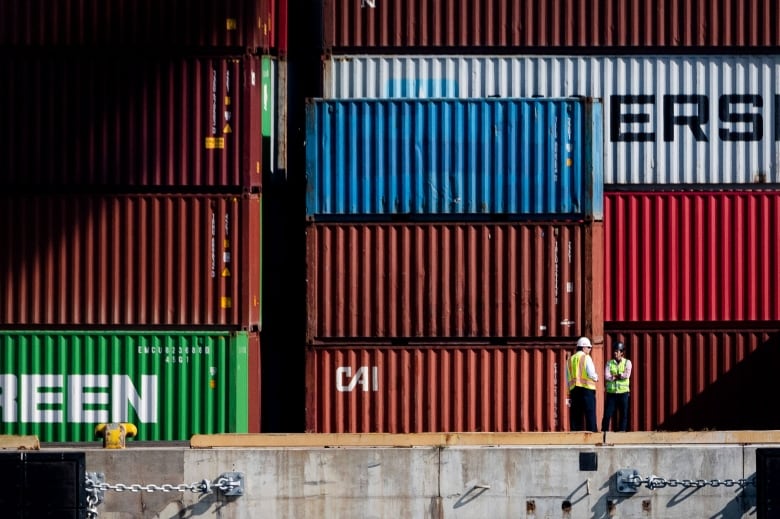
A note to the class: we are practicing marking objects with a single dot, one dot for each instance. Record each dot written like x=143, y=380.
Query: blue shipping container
x=375, y=157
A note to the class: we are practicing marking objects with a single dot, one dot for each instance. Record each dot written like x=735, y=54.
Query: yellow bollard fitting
x=114, y=434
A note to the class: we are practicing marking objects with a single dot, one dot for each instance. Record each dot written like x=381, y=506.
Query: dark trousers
x=616, y=406
x=583, y=408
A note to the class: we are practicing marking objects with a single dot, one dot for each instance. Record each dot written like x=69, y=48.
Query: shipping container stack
x=454, y=249
x=691, y=221
x=131, y=167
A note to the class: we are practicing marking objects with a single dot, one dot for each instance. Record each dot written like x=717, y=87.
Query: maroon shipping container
x=130, y=260
x=438, y=388
x=216, y=24
x=130, y=123
x=370, y=25
x=692, y=256
x=711, y=376
x=453, y=280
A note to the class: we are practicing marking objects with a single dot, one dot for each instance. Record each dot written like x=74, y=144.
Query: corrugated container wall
x=453, y=280
x=59, y=385
x=438, y=388
x=451, y=156
x=692, y=256
x=669, y=119
x=229, y=25
x=130, y=260
x=701, y=378
x=130, y=123
x=563, y=24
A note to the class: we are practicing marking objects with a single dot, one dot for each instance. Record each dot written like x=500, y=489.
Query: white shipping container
x=668, y=119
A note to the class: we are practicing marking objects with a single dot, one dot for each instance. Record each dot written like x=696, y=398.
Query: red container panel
x=524, y=24
x=272, y=23
x=704, y=378
x=214, y=24
x=452, y=280
x=692, y=256
x=130, y=260
x=131, y=123
x=437, y=388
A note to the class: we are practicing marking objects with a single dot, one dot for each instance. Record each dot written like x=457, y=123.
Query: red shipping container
x=130, y=260
x=708, y=376
x=692, y=256
x=453, y=280
x=438, y=388
x=243, y=25
x=372, y=25
x=128, y=124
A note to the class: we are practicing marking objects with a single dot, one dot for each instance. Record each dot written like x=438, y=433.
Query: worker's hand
x=568, y=402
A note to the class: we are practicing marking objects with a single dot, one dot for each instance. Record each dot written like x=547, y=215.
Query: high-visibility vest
x=578, y=376
x=616, y=368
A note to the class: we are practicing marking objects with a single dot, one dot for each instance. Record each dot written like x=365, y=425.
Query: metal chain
x=94, y=495
x=652, y=482
x=202, y=487
x=96, y=486
x=92, y=504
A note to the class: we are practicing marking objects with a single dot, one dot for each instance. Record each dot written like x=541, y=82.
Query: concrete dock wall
x=301, y=476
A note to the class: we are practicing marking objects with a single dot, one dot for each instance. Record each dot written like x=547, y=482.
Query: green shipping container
x=59, y=385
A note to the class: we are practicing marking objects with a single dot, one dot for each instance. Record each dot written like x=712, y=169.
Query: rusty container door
x=702, y=376
x=453, y=280
x=197, y=25
x=130, y=124
x=433, y=25
x=131, y=260
x=442, y=387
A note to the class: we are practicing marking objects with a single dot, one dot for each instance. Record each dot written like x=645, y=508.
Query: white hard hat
x=584, y=342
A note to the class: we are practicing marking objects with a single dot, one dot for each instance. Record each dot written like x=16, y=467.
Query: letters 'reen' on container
x=58, y=385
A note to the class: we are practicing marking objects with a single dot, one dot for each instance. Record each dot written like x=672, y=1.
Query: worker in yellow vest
x=581, y=378
x=617, y=374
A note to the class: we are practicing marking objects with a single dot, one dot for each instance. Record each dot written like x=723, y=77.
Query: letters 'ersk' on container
x=670, y=25
x=131, y=260
x=669, y=119
x=58, y=385
x=81, y=122
x=454, y=156
x=453, y=280
x=701, y=376
x=438, y=387
x=692, y=256
x=212, y=25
